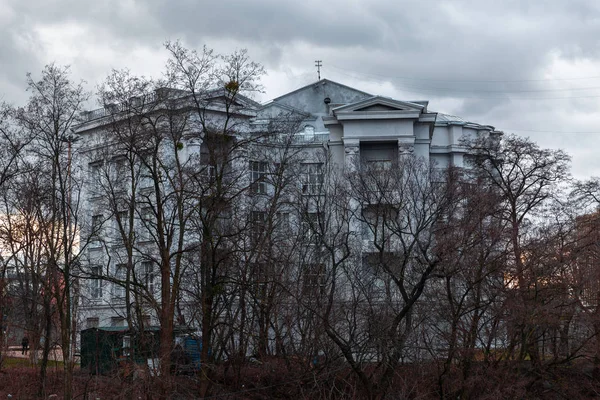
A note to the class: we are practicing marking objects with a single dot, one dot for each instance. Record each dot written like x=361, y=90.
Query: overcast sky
x=528, y=67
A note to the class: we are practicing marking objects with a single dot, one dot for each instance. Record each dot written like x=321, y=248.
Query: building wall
x=311, y=98
x=335, y=139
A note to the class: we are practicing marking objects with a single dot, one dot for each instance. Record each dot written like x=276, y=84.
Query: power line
x=467, y=80
x=499, y=91
x=559, y=132
x=420, y=91
x=512, y=97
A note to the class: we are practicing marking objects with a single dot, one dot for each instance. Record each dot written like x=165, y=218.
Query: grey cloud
x=270, y=22
x=18, y=54
x=379, y=43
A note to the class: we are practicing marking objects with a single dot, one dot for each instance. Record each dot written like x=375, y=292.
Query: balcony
x=317, y=137
x=109, y=109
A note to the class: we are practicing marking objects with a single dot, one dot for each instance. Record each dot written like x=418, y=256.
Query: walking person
x=25, y=345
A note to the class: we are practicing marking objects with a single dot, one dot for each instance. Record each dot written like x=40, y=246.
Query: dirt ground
x=22, y=382
x=273, y=379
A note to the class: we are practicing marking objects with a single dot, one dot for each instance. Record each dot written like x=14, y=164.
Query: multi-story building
x=329, y=128
x=587, y=278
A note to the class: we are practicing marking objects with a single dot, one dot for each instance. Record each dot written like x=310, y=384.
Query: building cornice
x=369, y=115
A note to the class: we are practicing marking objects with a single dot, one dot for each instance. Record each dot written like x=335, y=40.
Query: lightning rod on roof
x=318, y=64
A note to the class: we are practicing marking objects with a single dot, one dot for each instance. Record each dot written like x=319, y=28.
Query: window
x=120, y=173
x=378, y=267
x=117, y=321
x=92, y=322
x=123, y=218
x=258, y=173
x=145, y=177
x=314, y=279
x=379, y=154
x=223, y=222
x=380, y=263
x=147, y=224
x=309, y=132
x=208, y=173
x=96, y=283
x=311, y=225
x=260, y=276
x=96, y=223
x=96, y=230
x=283, y=223
x=126, y=345
x=379, y=165
x=257, y=222
x=148, y=275
x=119, y=287
x=95, y=178
x=378, y=223
x=312, y=178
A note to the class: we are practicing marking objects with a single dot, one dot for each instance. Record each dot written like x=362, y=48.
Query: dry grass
x=275, y=379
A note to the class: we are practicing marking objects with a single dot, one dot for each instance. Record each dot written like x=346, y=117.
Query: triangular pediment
x=378, y=107
x=379, y=104
x=317, y=97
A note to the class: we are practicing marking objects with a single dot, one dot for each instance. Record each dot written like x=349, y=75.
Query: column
x=352, y=160
x=405, y=148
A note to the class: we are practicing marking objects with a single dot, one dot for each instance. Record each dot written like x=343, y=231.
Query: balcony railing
x=109, y=109
x=317, y=137
x=95, y=114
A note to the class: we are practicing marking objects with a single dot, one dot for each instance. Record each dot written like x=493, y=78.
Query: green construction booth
x=105, y=349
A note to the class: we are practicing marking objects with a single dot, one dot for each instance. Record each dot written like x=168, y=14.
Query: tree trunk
x=206, y=339
x=166, y=326
x=46, y=349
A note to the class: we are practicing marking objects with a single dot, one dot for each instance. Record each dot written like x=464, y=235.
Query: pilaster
x=352, y=157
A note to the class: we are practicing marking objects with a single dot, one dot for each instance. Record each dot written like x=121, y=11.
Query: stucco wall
x=310, y=99
x=378, y=129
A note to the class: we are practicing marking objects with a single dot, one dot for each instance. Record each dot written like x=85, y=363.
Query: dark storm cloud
x=272, y=22
x=12, y=72
x=445, y=40
x=121, y=21
x=484, y=60
x=18, y=51
x=456, y=39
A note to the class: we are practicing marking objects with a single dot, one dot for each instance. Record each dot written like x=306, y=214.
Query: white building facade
x=337, y=130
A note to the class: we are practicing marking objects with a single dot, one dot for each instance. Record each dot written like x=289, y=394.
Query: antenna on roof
x=318, y=64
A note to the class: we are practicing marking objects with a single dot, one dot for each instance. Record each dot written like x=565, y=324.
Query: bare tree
x=525, y=177
x=469, y=293
x=119, y=196
x=218, y=87
x=12, y=142
x=177, y=169
x=49, y=117
x=378, y=240
x=586, y=195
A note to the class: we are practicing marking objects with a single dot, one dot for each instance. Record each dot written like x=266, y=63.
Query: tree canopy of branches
x=203, y=213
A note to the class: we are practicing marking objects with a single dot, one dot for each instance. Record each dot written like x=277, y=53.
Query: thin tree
x=50, y=115
x=526, y=177
x=217, y=86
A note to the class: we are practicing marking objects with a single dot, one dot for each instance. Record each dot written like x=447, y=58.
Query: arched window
x=307, y=134
x=309, y=131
